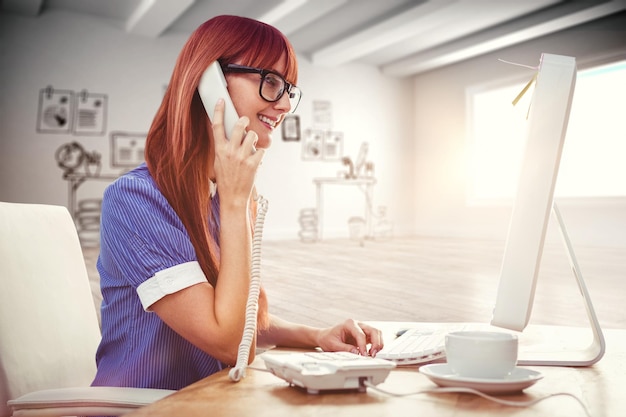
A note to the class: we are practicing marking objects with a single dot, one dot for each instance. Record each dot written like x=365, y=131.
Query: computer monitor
x=534, y=202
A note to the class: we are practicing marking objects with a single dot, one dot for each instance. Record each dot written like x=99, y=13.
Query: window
x=593, y=163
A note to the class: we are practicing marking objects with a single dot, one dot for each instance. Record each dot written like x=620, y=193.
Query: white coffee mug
x=481, y=354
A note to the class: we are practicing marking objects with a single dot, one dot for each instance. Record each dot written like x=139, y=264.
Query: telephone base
x=317, y=372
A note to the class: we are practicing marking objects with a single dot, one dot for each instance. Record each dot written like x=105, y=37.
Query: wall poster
x=56, y=109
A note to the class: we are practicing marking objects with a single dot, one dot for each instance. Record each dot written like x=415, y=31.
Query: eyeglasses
x=272, y=86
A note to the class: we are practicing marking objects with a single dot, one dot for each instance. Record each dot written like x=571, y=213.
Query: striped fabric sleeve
x=144, y=240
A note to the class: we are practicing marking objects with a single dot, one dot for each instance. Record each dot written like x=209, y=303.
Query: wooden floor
x=426, y=279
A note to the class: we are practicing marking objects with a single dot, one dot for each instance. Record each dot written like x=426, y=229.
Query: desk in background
x=601, y=387
x=367, y=182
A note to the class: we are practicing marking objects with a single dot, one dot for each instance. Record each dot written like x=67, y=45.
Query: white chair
x=49, y=330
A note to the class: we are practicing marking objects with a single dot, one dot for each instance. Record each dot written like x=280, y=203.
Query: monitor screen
x=547, y=125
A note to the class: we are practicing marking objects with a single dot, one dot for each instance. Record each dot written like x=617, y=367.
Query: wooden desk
x=601, y=387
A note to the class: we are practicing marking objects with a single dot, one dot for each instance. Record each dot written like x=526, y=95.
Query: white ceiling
x=402, y=37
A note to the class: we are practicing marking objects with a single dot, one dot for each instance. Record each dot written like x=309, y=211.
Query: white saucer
x=518, y=380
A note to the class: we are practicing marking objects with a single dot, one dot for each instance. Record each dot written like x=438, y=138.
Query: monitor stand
x=562, y=355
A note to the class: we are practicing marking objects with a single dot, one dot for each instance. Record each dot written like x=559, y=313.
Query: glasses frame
x=243, y=69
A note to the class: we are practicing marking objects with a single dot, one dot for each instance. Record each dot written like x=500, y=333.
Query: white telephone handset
x=212, y=87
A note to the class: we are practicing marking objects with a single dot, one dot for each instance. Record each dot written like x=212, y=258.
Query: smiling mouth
x=268, y=121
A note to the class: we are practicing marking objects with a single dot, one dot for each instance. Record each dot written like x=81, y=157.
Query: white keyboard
x=416, y=346
x=322, y=371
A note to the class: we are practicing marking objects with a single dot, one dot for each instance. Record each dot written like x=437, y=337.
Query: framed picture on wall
x=322, y=115
x=333, y=146
x=312, y=145
x=91, y=112
x=56, y=109
x=291, y=128
x=127, y=149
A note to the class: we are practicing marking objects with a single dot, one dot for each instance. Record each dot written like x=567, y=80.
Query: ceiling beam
x=407, y=24
x=491, y=14
x=23, y=7
x=495, y=39
x=153, y=17
x=283, y=9
x=307, y=12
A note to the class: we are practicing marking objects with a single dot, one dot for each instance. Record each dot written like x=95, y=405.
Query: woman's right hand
x=236, y=161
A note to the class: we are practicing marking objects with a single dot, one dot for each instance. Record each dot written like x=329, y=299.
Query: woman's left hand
x=351, y=336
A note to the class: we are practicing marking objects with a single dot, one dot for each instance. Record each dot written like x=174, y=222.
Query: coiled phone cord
x=239, y=371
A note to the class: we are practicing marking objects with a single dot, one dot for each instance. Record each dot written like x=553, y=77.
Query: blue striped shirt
x=145, y=254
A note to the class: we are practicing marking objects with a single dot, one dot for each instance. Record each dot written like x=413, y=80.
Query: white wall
x=441, y=140
x=76, y=52
x=367, y=107
x=416, y=128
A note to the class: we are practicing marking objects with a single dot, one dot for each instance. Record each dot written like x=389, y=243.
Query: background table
x=367, y=182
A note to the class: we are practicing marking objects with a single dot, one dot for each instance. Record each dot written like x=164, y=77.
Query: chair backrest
x=49, y=330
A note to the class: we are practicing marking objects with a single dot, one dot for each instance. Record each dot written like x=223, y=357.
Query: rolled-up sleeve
x=144, y=243
x=169, y=281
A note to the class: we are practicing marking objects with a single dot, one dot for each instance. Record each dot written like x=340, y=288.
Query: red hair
x=179, y=140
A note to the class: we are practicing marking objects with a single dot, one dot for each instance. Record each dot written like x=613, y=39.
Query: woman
x=176, y=232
